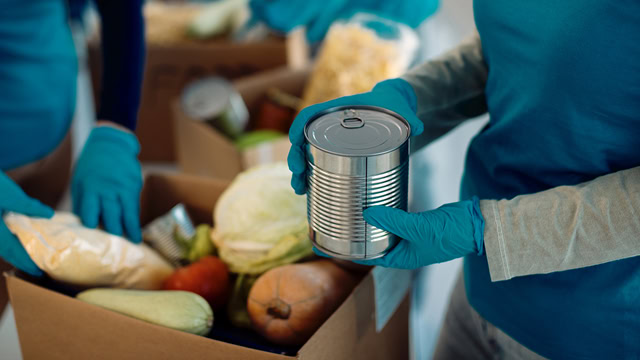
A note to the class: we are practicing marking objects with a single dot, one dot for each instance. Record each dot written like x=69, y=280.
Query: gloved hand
x=446, y=233
x=395, y=95
x=107, y=181
x=285, y=15
x=317, y=16
x=12, y=198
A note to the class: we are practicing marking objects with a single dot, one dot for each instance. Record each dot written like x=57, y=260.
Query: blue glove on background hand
x=395, y=95
x=446, y=233
x=286, y=15
x=317, y=16
x=12, y=198
x=107, y=181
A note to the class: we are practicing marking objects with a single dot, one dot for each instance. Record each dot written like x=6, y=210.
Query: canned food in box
x=214, y=100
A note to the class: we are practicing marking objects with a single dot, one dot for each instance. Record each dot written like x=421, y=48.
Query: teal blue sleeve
x=123, y=50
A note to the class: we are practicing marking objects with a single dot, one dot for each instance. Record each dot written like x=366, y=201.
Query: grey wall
x=435, y=179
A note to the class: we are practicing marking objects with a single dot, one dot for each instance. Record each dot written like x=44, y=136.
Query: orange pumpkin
x=289, y=303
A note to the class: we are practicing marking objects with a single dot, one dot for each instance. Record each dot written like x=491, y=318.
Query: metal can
x=214, y=100
x=358, y=156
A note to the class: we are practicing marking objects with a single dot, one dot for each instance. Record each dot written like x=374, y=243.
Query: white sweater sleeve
x=564, y=228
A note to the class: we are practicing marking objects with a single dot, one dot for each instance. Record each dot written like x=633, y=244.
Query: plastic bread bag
x=71, y=253
x=357, y=54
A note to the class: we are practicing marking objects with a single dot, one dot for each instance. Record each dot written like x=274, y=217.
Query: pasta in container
x=357, y=54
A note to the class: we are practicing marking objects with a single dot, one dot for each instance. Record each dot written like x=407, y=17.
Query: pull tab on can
x=351, y=120
x=352, y=123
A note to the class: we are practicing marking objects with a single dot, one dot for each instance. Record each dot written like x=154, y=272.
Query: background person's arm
x=564, y=228
x=449, y=90
x=123, y=49
x=107, y=179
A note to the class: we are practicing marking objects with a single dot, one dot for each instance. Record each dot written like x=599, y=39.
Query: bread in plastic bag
x=69, y=252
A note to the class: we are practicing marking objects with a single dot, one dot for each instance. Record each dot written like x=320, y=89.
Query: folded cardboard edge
x=253, y=87
x=198, y=193
x=352, y=326
x=338, y=330
x=18, y=287
x=203, y=151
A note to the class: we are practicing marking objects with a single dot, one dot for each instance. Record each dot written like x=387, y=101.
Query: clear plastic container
x=357, y=54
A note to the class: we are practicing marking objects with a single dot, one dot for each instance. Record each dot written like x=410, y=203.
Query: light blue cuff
x=403, y=87
x=478, y=225
x=124, y=139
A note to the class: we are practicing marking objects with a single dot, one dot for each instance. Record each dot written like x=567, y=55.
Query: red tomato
x=208, y=277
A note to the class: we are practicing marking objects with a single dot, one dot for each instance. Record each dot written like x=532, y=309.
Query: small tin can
x=358, y=157
x=214, y=100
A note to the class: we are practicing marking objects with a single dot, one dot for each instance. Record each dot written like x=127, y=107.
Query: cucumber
x=179, y=310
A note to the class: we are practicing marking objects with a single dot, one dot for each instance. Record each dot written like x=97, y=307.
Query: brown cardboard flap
x=71, y=329
x=203, y=151
x=163, y=191
x=253, y=88
x=350, y=332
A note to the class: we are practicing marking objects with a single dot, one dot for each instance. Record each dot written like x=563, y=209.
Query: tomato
x=208, y=277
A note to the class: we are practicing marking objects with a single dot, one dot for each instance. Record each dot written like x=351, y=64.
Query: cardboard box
x=53, y=325
x=169, y=68
x=204, y=151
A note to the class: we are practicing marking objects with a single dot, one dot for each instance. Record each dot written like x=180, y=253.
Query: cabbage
x=260, y=223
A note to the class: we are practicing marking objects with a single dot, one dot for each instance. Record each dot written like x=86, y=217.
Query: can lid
x=357, y=131
x=207, y=98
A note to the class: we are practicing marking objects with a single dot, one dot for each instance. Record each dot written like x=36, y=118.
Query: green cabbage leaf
x=259, y=221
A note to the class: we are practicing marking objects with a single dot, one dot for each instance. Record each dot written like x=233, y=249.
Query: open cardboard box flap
x=52, y=325
x=161, y=192
x=202, y=150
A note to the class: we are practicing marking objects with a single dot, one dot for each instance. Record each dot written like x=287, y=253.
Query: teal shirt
x=38, y=72
x=563, y=94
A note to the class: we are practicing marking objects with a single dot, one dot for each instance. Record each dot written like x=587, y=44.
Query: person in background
x=317, y=16
x=549, y=224
x=38, y=74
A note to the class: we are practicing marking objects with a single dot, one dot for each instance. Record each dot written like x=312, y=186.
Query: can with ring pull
x=357, y=157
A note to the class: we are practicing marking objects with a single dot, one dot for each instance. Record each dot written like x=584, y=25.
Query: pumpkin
x=288, y=304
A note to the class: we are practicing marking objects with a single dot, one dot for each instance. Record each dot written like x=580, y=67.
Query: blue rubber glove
x=395, y=94
x=317, y=16
x=446, y=233
x=107, y=181
x=12, y=198
x=286, y=15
